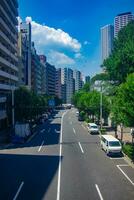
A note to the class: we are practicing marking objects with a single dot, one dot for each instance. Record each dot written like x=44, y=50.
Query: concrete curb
x=128, y=160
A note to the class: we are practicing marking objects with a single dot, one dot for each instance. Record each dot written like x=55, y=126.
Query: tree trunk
x=121, y=126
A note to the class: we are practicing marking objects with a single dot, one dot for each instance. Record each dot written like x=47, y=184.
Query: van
x=93, y=128
x=110, y=144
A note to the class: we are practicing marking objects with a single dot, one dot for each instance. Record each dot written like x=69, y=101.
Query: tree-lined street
x=35, y=170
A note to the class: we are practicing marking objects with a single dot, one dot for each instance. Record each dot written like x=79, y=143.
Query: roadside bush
x=103, y=131
x=128, y=149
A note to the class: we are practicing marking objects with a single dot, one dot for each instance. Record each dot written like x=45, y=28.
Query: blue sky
x=68, y=31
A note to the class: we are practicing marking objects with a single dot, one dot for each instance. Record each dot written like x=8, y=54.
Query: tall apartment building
x=8, y=53
x=87, y=79
x=36, y=70
x=58, y=89
x=78, y=78
x=107, y=37
x=43, y=61
x=25, y=32
x=22, y=59
x=50, y=79
x=122, y=20
x=67, y=85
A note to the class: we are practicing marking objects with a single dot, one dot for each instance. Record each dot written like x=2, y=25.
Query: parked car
x=93, y=128
x=111, y=145
x=77, y=113
x=80, y=118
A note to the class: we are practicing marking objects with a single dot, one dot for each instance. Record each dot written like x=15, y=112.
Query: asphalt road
x=63, y=162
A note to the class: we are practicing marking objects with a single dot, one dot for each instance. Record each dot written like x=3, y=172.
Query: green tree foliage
x=86, y=87
x=121, y=61
x=123, y=103
x=28, y=105
x=100, y=77
x=90, y=103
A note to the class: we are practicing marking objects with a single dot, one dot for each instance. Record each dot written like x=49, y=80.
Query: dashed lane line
x=81, y=147
x=18, y=191
x=99, y=193
x=74, y=131
x=41, y=146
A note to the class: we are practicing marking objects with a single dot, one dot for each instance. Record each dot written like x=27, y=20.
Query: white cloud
x=28, y=19
x=87, y=43
x=50, y=38
x=59, y=59
x=78, y=55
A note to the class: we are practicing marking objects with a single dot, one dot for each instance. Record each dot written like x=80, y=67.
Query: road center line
x=74, y=131
x=81, y=147
x=18, y=191
x=60, y=152
x=99, y=193
x=119, y=167
x=41, y=146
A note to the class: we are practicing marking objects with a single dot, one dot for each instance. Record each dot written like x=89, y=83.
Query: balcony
x=7, y=17
x=6, y=51
x=4, y=86
x=10, y=12
x=3, y=99
x=3, y=114
x=9, y=76
x=3, y=36
x=8, y=64
x=14, y=37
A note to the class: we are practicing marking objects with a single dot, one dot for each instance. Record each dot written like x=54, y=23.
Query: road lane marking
x=99, y=193
x=41, y=146
x=18, y=191
x=74, y=131
x=83, y=127
x=119, y=167
x=81, y=147
x=60, y=152
x=49, y=130
x=116, y=158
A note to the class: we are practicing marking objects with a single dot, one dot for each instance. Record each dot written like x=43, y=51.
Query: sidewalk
x=126, y=134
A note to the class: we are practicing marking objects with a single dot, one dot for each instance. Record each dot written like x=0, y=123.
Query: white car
x=77, y=113
x=93, y=128
x=110, y=144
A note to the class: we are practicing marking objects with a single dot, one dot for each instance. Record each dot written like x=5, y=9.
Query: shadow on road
x=36, y=171
x=50, y=136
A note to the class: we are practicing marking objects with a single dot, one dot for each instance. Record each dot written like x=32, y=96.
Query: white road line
x=81, y=147
x=18, y=191
x=60, y=152
x=119, y=167
x=83, y=126
x=99, y=193
x=74, y=131
x=49, y=130
x=116, y=158
x=41, y=146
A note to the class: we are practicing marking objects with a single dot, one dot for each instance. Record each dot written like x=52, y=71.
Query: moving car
x=93, y=128
x=110, y=144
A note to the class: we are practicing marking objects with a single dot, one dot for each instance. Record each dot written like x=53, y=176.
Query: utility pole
x=101, y=107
